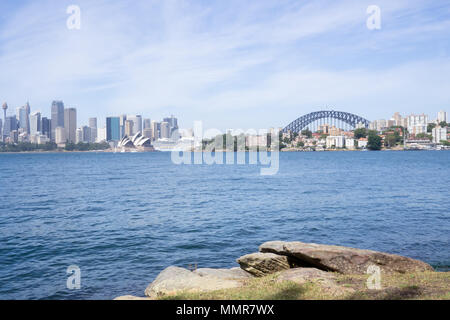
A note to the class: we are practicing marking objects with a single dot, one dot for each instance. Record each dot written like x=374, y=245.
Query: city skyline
x=202, y=61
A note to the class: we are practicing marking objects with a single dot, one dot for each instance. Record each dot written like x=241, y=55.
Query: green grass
x=426, y=285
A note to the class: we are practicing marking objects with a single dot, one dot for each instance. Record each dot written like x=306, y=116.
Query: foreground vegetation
x=51, y=146
x=422, y=286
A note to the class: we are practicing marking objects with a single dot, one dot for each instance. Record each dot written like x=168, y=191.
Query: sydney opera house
x=136, y=142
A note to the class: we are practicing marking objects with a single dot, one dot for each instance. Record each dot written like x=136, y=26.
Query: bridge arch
x=303, y=122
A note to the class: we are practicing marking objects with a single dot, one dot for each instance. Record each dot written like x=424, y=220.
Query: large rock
x=261, y=264
x=343, y=259
x=233, y=273
x=174, y=280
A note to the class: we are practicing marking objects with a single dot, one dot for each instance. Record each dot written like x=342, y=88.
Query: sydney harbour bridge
x=339, y=119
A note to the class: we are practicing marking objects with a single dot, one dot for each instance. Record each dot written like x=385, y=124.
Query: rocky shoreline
x=297, y=262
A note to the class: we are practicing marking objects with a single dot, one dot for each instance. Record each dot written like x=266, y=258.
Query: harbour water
x=122, y=218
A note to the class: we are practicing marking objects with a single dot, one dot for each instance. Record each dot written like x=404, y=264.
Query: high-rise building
x=165, y=130
x=57, y=117
x=123, y=118
x=397, y=117
x=70, y=124
x=35, y=123
x=137, y=123
x=1, y=130
x=173, y=122
x=46, y=127
x=23, y=118
x=417, y=124
x=147, y=124
x=79, y=135
x=156, y=130
x=442, y=116
x=101, y=135
x=112, y=129
x=439, y=134
x=86, y=134
x=129, y=124
x=60, y=136
x=92, y=122
x=9, y=126
x=93, y=129
x=4, y=107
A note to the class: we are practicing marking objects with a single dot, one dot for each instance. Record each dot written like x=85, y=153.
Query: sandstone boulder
x=343, y=259
x=261, y=264
x=233, y=273
x=174, y=280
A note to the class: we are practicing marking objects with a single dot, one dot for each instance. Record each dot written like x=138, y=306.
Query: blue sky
x=231, y=64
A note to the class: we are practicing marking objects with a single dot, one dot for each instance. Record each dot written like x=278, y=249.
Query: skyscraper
x=165, y=130
x=137, y=123
x=112, y=129
x=129, y=124
x=70, y=124
x=156, y=130
x=4, y=107
x=93, y=129
x=46, y=127
x=442, y=116
x=57, y=117
x=123, y=118
x=35, y=123
x=9, y=125
x=23, y=118
x=147, y=124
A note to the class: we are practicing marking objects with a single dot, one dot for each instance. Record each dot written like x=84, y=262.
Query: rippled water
x=122, y=218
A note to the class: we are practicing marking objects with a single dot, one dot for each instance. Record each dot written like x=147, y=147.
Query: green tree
x=424, y=136
x=374, y=142
x=307, y=133
x=443, y=124
x=430, y=127
x=391, y=140
x=360, y=133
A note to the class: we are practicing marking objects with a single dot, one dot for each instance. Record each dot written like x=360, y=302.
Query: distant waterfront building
x=1, y=130
x=23, y=117
x=57, y=117
x=147, y=124
x=122, y=118
x=165, y=130
x=9, y=125
x=35, y=123
x=112, y=129
x=46, y=127
x=101, y=135
x=129, y=124
x=148, y=133
x=60, y=136
x=439, y=134
x=14, y=136
x=335, y=141
x=363, y=142
x=156, y=130
x=417, y=124
x=4, y=107
x=137, y=123
x=93, y=129
x=79, y=135
x=350, y=143
x=442, y=116
x=70, y=124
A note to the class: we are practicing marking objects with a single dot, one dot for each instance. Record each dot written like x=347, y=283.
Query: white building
x=442, y=116
x=60, y=135
x=35, y=123
x=417, y=124
x=350, y=143
x=362, y=143
x=137, y=123
x=335, y=142
x=101, y=134
x=439, y=134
